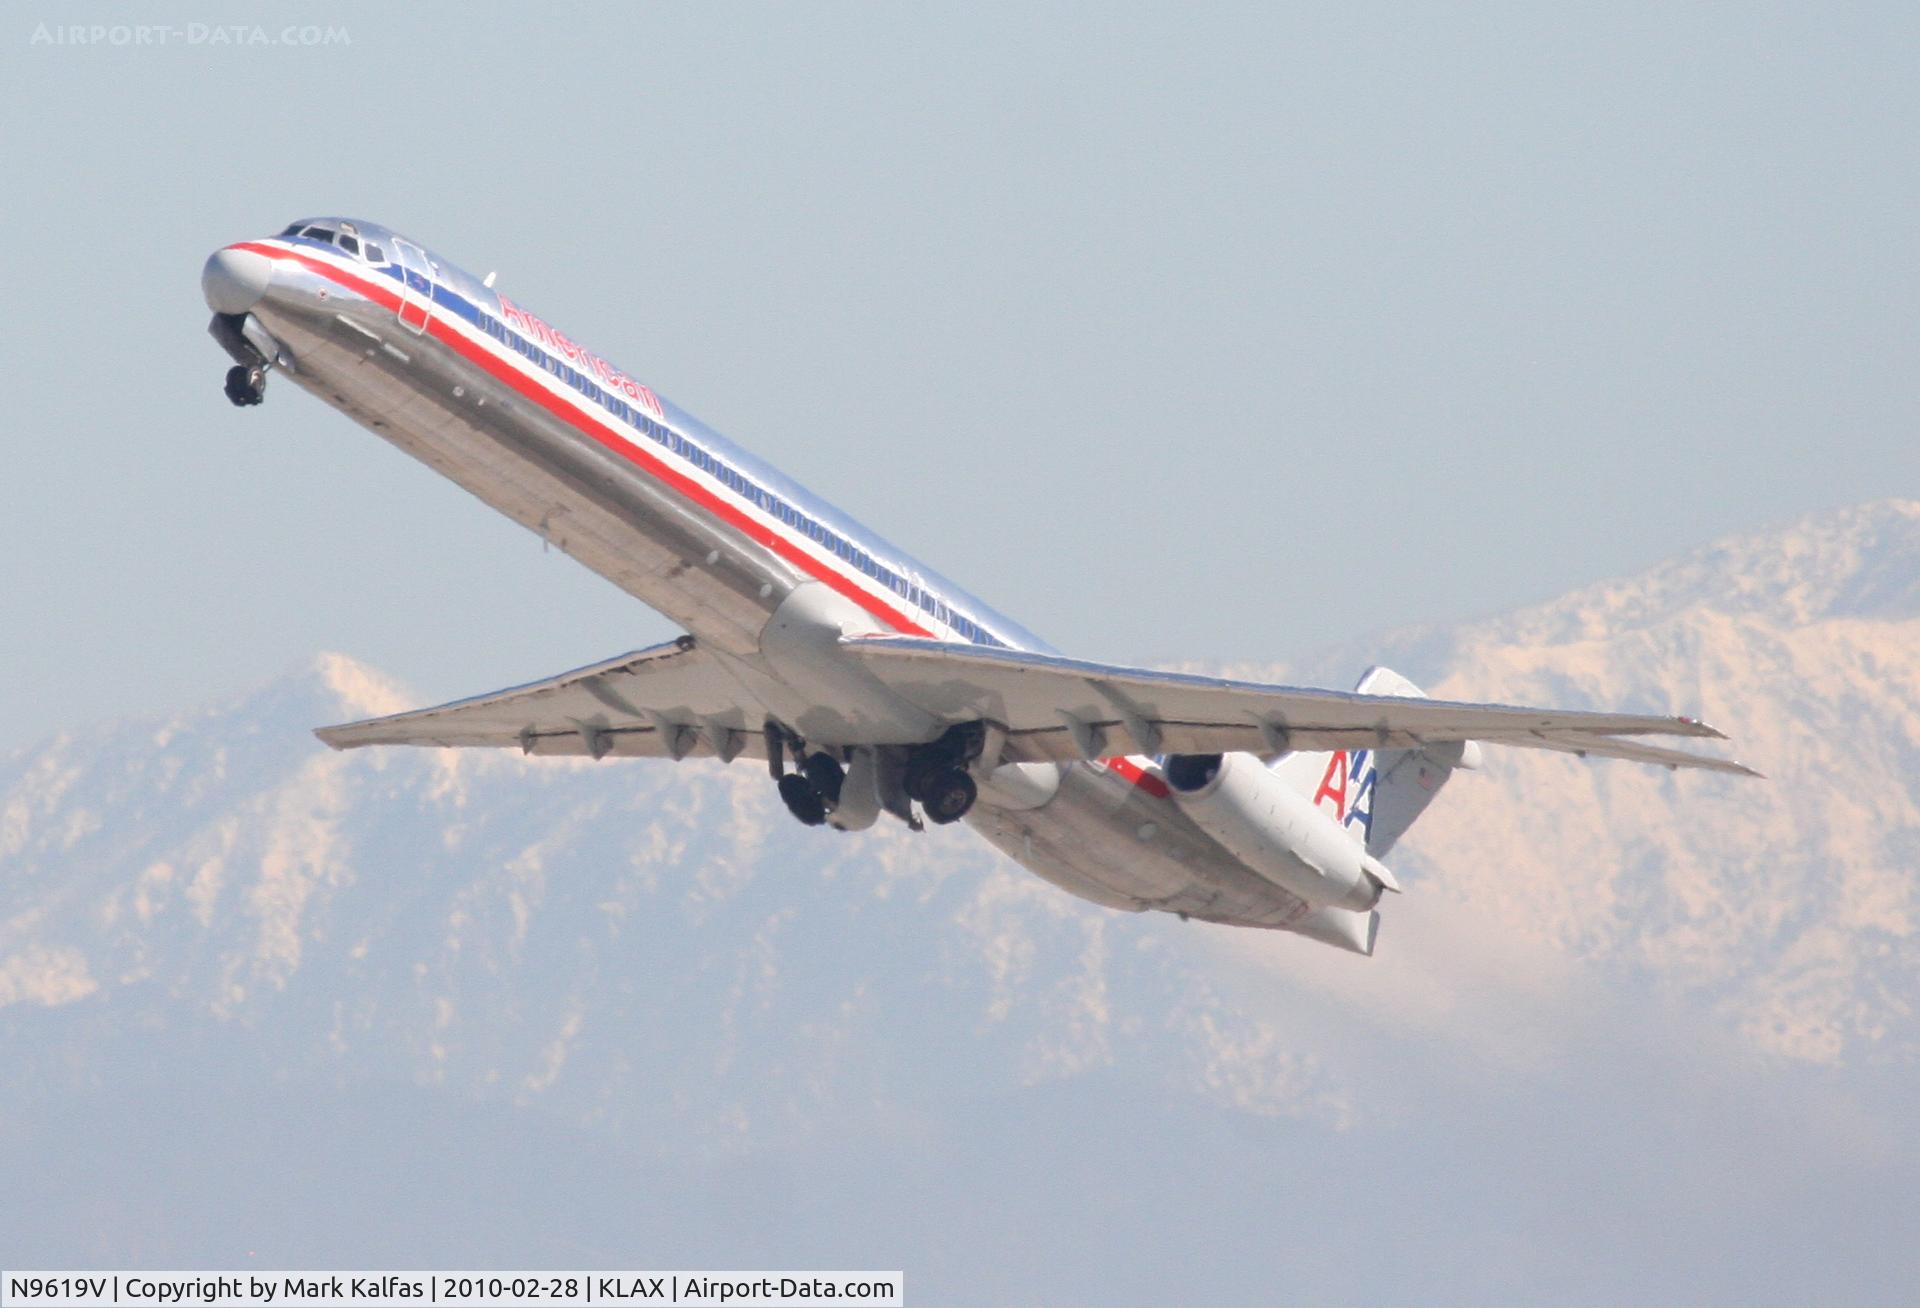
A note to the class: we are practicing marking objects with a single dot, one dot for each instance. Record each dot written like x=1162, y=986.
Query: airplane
x=868, y=685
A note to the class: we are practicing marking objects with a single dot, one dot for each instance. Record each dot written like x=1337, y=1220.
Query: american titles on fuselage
x=602, y=383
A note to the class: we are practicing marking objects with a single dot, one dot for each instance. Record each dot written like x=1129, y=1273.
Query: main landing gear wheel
x=826, y=776
x=802, y=800
x=246, y=385
x=923, y=772
x=948, y=795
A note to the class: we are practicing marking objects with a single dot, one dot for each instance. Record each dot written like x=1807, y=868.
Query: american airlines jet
x=867, y=685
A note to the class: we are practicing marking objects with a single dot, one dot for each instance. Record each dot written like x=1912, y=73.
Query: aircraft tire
x=826, y=775
x=925, y=771
x=245, y=386
x=802, y=800
x=949, y=795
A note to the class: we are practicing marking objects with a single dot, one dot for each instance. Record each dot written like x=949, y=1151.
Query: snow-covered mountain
x=1790, y=904
x=497, y=923
x=655, y=959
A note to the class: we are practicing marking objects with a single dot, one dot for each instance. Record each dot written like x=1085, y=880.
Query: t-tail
x=1375, y=795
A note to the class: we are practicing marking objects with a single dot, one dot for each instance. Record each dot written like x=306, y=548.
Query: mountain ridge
x=463, y=1009
x=222, y=865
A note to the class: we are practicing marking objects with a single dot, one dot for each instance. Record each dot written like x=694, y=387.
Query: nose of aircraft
x=234, y=280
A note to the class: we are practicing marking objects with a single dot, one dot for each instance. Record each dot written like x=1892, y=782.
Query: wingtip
x=330, y=737
x=1705, y=730
x=1731, y=767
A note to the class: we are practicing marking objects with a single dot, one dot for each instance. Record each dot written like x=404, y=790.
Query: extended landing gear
x=802, y=800
x=888, y=778
x=253, y=352
x=944, y=791
x=937, y=777
x=814, y=791
x=826, y=776
x=246, y=385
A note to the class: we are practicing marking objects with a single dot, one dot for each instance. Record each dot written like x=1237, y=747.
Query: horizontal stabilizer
x=1342, y=928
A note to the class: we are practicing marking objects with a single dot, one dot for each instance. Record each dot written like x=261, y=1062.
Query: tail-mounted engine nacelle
x=1276, y=831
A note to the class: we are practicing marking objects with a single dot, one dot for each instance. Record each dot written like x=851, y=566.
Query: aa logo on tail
x=1348, y=784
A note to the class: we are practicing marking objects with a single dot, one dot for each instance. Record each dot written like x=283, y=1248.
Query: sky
x=1220, y=333
x=1214, y=334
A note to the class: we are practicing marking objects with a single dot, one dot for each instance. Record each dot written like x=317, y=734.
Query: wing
x=676, y=700
x=1636, y=751
x=666, y=702
x=1056, y=708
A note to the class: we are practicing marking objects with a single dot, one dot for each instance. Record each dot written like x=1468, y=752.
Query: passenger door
x=416, y=285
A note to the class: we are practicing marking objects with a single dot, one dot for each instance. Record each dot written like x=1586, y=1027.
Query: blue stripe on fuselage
x=743, y=475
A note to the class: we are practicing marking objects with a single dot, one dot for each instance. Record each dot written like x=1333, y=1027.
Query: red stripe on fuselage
x=606, y=436
x=1140, y=777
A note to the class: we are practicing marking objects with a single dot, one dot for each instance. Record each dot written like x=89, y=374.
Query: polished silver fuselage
x=749, y=563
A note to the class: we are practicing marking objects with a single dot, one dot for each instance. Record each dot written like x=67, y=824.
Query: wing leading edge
x=670, y=701
x=677, y=700
x=1062, y=709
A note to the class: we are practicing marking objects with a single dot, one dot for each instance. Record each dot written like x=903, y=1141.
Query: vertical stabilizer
x=1377, y=794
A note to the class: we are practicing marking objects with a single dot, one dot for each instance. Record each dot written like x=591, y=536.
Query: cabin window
x=349, y=244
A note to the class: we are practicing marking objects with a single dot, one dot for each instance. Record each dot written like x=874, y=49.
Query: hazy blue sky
x=1174, y=332
x=1219, y=333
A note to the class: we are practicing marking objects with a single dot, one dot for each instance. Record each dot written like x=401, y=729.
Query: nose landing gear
x=253, y=352
x=246, y=385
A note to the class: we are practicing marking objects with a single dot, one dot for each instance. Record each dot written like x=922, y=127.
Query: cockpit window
x=349, y=244
x=318, y=233
x=292, y=230
x=375, y=254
